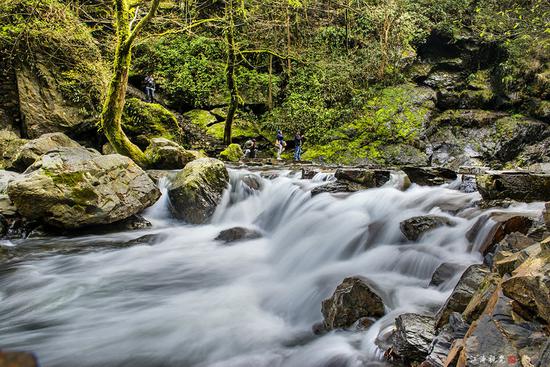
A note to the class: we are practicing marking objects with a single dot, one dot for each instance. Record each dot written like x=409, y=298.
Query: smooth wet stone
x=413, y=336
x=515, y=185
x=197, y=190
x=414, y=228
x=430, y=176
x=352, y=300
x=445, y=272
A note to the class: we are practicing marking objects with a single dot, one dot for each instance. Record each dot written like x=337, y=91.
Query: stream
x=185, y=299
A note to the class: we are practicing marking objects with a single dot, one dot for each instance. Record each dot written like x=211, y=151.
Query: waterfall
x=189, y=300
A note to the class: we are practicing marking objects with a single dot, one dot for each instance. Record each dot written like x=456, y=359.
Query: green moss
x=506, y=126
x=240, y=131
x=395, y=115
x=233, y=153
x=149, y=119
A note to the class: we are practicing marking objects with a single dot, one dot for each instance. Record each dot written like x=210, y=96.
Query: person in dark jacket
x=150, y=88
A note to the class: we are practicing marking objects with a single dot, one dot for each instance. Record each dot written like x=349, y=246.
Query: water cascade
x=189, y=300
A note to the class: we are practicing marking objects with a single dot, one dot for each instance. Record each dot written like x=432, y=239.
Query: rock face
x=237, y=234
x=414, y=228
x=413, y=336
x=233, y=153
x=462, y=293
x=165, y=154
x=352, y=300
x=43, y=107
x=75, y=187
x=196, y=191
x=520, y=186
x=34, y=149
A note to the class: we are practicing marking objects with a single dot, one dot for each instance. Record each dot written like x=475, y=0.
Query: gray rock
x=413, y=336
x=237, y=234
x=33, y=150
x=414, y=228
x=332, y=188
x=165, y=154
x=5, y=178
x=352, y=300
x=196, y=191
x=9, y=147
x=442, y=343
x=364, y=178
x=462, y=293
x=75, y=187
x=515, y=185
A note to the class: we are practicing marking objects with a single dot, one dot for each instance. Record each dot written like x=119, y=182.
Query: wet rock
x=413, y=336
x=364, y=178
x=546, y=214
x=461, y=295
x=75, y=187
x=468, y=118
x=17, y=359
x=515, y=185
x=237, y=234
x=253, y=182
x=481, y=297
x=5, y=178
x=500, y=337
x=455, y=329
x=430, y=176
x=468, y=184
x=444, y=272
x=332, y=188
x=530, y=285
x=504, y=224
x=196, y=191
x=33, y=150
x=164, y=154
x=233, y=153
x=352, y=300
x=414, y=228
x=157, y=174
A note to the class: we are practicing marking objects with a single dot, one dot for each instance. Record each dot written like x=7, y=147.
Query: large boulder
x=166, y=154
x=34, y=149
x=462, y=293
x=445, y=272
x=414, y=228
x=76, y=187
x=515, y=185
x=413, y=336
x=196, y=191
x=352, y=300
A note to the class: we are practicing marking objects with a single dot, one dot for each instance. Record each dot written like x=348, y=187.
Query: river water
x=185, y=299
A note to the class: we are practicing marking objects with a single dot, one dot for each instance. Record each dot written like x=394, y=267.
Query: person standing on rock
x=298, y=138
x=280, y=144
x=150, y=88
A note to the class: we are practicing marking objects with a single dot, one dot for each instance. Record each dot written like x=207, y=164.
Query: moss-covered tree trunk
x=230, y=73
x=113, y=106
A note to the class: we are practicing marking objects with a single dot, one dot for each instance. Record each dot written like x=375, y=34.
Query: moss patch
x=233, y=153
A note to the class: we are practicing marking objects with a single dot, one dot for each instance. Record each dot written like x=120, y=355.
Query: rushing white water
x=188, y=300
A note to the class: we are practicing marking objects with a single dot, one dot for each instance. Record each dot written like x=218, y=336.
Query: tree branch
x=142, y=23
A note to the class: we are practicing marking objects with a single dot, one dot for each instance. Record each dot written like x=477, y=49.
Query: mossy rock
x=165, y=154
x=233, y=153
x=394, y=116
x=143, y=121
x=201, y=118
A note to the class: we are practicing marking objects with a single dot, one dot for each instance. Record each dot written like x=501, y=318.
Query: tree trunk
x=113, y=106
x=230, y=75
